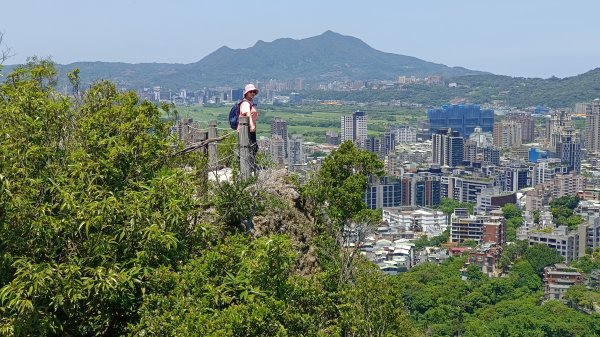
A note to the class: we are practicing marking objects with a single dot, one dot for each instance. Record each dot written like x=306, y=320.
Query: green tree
x=511, y=211
x=89, y=206
x=335, y=194
x=474, y=274
x=447, y=205
x=540, y=256
x=440, y=239
x=341, y=181
x=469, y=243
x=525, y=317
x=536, y=216
x=512, y=251
x=568, y=201
x=372, y=308
x=578, y=296
x=514, y=220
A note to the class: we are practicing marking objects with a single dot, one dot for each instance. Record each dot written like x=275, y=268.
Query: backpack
x=234, y=114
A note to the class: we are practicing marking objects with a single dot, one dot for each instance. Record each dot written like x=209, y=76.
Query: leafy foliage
x=103, y=232
x=514, y=220
x=540, y=256
x=447, y=205
x=563, y=211
x=341, y=181
x=435, y=241
x=444, y=305
x=89, y=206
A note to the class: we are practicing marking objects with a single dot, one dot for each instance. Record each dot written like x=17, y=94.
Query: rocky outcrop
x=284, y=213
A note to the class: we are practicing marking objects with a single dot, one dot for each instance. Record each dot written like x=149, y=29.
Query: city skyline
x=529, y=39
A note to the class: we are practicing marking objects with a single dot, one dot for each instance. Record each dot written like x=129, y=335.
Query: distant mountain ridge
x=334, y=57
x=320, y=59
x=324, y=58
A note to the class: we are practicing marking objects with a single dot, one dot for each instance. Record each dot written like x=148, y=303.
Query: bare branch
x=5, y=51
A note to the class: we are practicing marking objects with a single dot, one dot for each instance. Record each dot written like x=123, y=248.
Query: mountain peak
x=331, y=33
x=327, y=57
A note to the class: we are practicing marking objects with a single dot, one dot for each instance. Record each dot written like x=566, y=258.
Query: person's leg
x=253, y=150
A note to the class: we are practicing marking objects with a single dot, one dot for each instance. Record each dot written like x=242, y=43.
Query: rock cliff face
x=284, y=213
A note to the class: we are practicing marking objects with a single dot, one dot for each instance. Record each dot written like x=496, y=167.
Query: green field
x=311, y=121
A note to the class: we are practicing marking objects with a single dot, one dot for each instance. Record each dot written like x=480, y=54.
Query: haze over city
x=515, y=38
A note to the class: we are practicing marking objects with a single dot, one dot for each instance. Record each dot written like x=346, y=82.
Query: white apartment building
x=569, y=244
x=354, y=127
x=428, y=221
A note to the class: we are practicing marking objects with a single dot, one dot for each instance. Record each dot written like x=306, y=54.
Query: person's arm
x=245, y=111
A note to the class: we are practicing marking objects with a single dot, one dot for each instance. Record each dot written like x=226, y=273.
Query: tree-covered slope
x=509, y=91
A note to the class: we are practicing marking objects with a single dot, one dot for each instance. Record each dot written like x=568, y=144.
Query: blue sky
x=530, y=38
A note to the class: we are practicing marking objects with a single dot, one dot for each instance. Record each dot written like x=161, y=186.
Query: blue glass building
x=461, y=118
x=536, y=154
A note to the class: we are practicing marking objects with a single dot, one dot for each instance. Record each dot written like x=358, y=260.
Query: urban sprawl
x=483, y=157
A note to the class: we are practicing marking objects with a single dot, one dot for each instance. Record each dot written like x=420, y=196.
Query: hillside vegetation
x=480, y=89
x=104, y=233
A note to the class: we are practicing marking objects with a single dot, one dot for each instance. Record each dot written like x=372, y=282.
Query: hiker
x=247, y=108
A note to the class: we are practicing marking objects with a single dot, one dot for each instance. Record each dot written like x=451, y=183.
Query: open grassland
x=310, y=121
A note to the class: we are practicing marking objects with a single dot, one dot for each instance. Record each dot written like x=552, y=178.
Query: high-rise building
x=569, y=244
x=448, y=148
x=408, y=190
x=567, y=184
x=470, y=151
x=592, y=143
x=493, y=198
x=461, y=118
x=372, y=144
x=555, y=126
x=536, y=154
x=463, y=189
x=279, y=127
x=277, y=147
x=420, y=190
x=558, y=279
x=354, y=127
x=527, y=124
x=491, y=155
x=568, y=149
x=382, y=192
x=296, y=151
x=507, y=134
x=516, y=177
x=428, y=221
x=298, y=84
x=237, y=94
x=387, y=143
x=546, y=170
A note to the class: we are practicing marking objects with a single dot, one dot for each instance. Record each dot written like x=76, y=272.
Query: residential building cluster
x=466, y=157
x=469, y=158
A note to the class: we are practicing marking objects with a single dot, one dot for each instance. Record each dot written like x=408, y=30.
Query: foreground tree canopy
x=104, y=233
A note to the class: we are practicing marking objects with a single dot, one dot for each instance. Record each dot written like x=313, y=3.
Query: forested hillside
x=103, y=232
x=479, y=89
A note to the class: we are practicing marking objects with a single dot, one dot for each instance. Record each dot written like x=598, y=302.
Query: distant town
x=486, y=158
